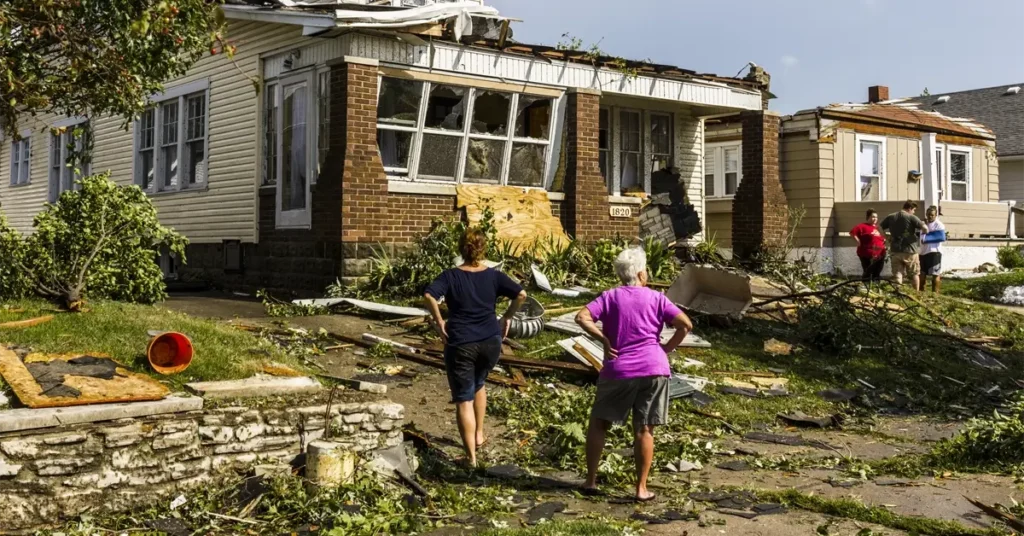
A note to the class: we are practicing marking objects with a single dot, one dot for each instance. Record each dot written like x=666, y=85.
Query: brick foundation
x=760, y=211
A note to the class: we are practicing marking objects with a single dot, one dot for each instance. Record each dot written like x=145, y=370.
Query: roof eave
x=834, y=114
x=306, y=19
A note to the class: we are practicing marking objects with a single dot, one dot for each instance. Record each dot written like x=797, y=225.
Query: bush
x=100, y=241
x=13, y=283
x=1010, y=257
x=987, y=444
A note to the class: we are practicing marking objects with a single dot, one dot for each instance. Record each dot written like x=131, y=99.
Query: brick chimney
x=878, y=94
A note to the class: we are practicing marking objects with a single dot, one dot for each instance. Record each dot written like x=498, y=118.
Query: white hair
x=629, y=263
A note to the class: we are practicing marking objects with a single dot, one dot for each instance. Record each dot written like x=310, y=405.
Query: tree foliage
x=98, y=241
x=89, y=57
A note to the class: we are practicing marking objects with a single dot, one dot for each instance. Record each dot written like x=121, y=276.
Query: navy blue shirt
x=472, y=298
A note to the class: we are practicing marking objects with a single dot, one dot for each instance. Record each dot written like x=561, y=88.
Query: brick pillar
x=586, y=209
x=364, y=184
x=760, y=212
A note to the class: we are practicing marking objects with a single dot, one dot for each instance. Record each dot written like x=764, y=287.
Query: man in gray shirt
x=903, y=227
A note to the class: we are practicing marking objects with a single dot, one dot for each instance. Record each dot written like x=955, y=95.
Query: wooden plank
x=26, y=323
x=124, y=387
x=522, y=217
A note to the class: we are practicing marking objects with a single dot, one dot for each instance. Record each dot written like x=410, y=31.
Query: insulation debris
x=366, y=305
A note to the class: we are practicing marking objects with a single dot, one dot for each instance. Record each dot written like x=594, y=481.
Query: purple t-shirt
x=632, y=319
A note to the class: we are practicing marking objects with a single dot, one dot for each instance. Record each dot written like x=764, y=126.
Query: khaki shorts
x=646, y=396
x=908, y=264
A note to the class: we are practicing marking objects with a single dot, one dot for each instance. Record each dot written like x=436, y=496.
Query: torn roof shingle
x=993, y=107
x=907, y=113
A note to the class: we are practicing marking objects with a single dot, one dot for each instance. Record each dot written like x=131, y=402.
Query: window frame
x=509, y=139
x=947, y=168
x=57, y=183
x=614, y=183
x=181, y=95
x=296, y=218
x=671, y=154
x=24, y=160
x=718, y=150
x=323, y=118
x=882, y=184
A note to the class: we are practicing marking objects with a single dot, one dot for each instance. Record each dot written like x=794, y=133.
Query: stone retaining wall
x=52, y=474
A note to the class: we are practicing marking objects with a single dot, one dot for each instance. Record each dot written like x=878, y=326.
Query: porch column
x=760, y=212
x=932, y=182
x=586, y=196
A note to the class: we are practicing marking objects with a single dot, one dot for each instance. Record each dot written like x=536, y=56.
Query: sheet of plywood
x=523, y=217
x=125, y=387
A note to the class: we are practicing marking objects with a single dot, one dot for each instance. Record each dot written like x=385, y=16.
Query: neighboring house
x=1001, y=109
x=839, y=160
x=366, y=119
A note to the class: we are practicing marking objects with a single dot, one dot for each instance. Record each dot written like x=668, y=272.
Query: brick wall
x=760, y=211
x=585, y=213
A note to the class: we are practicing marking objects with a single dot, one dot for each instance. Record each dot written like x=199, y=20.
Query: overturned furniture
x=712, y=291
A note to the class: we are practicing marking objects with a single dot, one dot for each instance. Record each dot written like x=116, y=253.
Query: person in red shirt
x=871, y=246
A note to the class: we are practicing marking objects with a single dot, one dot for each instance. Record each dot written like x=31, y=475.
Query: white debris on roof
x=908, y=104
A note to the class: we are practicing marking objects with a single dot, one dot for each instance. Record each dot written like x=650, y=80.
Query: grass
x=858, y=511
x=986, y=288
x=570, y=528
x=120, y=331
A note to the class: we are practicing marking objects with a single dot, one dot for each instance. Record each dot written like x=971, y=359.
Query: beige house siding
x=226, y=208
x=21, y=203
x=901, y=156
x=1011, y=180
x=719, y=221
x=806, y=170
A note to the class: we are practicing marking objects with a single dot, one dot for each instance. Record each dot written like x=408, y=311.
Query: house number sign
x=620, y=211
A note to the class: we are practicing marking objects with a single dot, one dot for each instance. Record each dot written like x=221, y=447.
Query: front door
x=295, y=119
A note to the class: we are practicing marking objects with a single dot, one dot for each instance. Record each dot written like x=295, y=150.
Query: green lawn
x=120, y=331
x=983, y=288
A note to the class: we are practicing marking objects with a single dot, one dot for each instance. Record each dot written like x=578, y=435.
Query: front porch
x=963, y=219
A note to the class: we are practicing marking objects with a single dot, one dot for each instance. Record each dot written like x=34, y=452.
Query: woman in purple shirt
x=636, y=368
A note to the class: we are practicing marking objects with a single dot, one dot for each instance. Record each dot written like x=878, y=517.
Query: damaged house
x=368, y=118
x=837, y=161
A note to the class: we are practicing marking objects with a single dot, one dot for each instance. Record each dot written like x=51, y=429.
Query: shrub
x=102, y=241
x=13, y=283
x=991, y=443
x=1010, y=257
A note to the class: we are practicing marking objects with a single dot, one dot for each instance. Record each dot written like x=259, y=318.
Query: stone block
x=355, y=418
x=133, y=459
x=171, y=427
x=249, y=431
x=9, y=470
x=258, y=386
x=102, y=480
x=176, y=439
x=122, y=436
x=62, y=466
x=280, y=430
x=256, y=444
x=65, y=439
x=31, y=419
x=217, y=435
x=36, y=447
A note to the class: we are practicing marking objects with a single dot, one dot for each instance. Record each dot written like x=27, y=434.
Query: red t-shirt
x=872, y=243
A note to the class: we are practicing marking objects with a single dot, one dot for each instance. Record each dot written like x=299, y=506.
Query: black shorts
x=931, y=263
x=468, y=365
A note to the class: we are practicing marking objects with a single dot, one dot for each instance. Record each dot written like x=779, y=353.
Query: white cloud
x=789, y=61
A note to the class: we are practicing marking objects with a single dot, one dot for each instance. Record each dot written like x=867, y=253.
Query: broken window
x=423, y=134
x=870, y=171
x=630, y=152
x=661, y=142
x=959, y=175
x=604, y=144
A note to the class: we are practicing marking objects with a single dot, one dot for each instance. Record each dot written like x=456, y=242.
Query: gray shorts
x=647, y=397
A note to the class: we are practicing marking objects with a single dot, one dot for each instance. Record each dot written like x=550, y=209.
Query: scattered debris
x=735, y=465
x=898, y=482
x=865, y=384
x=682, y=385
x=839, y=395
x=792, y=441
x=735, y=500
x=742, y=391
x=544, y=284
x=169, y=352
x=382, y=308
x=729, y=382
x=528, y=322
x=1008, y=519
x=739, y=513
x=769, y=383
x=178, y=501
x=375, y=339
x=522, y=217
x=508, y=471
x=58, y=380
x=709, y=290
x=799, y=418
x=683, y=466
x=17, y=324
x=566, y=323
x=358, y=385
x=776, y=347
x=255, y=386
x=668, y=218
x=277, y=369
x=543, y=512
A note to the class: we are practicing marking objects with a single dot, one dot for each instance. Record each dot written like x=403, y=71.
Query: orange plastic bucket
x=170, y=352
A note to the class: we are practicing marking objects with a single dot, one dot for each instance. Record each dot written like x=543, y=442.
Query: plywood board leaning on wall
x=522, y=217
x=122, y=385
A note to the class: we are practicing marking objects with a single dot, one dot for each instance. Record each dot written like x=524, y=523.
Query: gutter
x=311, y=22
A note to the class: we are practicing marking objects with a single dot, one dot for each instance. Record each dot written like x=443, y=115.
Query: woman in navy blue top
x=472, y=335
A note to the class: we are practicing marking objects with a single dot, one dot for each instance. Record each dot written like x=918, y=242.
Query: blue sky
x=817, y=51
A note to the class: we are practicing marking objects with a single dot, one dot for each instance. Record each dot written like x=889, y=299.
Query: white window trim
x=646, y=147
x=300, y=218
x=316, y=127
x=718, y=148
x=55, y=186
x=411, y=174
x=882, y=185
x=947, y=170
x=157, y=100
x=26, y=138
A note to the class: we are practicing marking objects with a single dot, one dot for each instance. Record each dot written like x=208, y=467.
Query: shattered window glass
x=439, y=156
x=533, y=117
x=661, y=141
x=483, y=161
x=527, y=165
x=490, y=113
x=395, y=148
x=399, y=102
x=446, y=107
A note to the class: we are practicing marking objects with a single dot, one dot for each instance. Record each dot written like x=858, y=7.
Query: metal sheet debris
x=366, y=305
x=375, y=339
x=567, y=324
x=544, y=284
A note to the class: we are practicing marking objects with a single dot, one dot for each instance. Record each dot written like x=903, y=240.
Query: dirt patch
x=216, y=305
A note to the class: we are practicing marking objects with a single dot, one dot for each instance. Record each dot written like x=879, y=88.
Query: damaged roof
x=905, y=113
x=999, y=108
